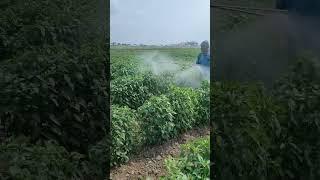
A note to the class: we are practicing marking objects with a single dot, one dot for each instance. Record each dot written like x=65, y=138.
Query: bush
x=21, y=160
x=55, y=84
x=125, y=132
x=299, y=93
x=129, y=91
x=193, y=162
x=184, y=102
x=268, y=136
x=245, y=126
x=157, y=119
x=99, y=158
x=122, y=66
x=203, y=109
x=133, y=91
x=157, y=84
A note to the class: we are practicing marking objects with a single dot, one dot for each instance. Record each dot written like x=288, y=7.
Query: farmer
x=204, y=56
x=204, y=59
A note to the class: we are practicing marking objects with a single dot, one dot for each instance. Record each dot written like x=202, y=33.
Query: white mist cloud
x=159, y=63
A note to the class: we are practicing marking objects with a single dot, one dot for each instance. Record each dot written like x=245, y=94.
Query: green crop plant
x=129, y=91
x=268, y=135
x=99, y=157
x=242, y=117
x=203, y=107
x=192, y=163
x=123, y=63
x=157, y=84
x=54, y=85
x=133, y=91
x=184, y=102
x=21, y=160
x=125, y=133
x=53, y=81
x=299, y=93
x=157, y=119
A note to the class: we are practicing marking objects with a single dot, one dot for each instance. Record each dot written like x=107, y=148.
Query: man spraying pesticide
x=203, y=60
x=199, y=72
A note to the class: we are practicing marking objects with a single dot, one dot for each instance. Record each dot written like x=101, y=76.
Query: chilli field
x=257, y=133
x=150, y=108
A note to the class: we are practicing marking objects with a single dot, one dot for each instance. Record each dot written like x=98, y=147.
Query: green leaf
x=68, y=80
x=54, y=119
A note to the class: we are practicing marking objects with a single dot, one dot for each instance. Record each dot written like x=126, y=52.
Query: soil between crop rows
x=150, y=161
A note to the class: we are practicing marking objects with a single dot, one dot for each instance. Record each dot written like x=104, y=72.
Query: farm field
x=54, y=108
x=132, y=58
x=254, y=129
x=150, y=109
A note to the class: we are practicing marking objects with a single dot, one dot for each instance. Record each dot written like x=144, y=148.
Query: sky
x=159, y=21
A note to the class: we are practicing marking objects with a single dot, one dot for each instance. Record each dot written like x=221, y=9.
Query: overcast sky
x=159, y=21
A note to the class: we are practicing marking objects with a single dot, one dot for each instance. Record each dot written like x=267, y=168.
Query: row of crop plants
x=192, y=163
x=53, y=90
x=149, y=109
x=259, y=133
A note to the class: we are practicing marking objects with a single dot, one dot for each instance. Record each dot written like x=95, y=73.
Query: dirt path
x=150, y=162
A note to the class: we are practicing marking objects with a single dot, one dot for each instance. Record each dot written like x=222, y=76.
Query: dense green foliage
x=263, y=135
x=203, y=109
x=258, y=135
x=147, y=108
x=299, y=93
x=22, y=161
x=129, y=91
x=193, y=162
x=184, y=102
x=157, y=119
x=133, y=91
x=123, y=65
x=99, y=158
x=126, y=62
x=243, y=116
x=53, y=81
x=125, y=132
